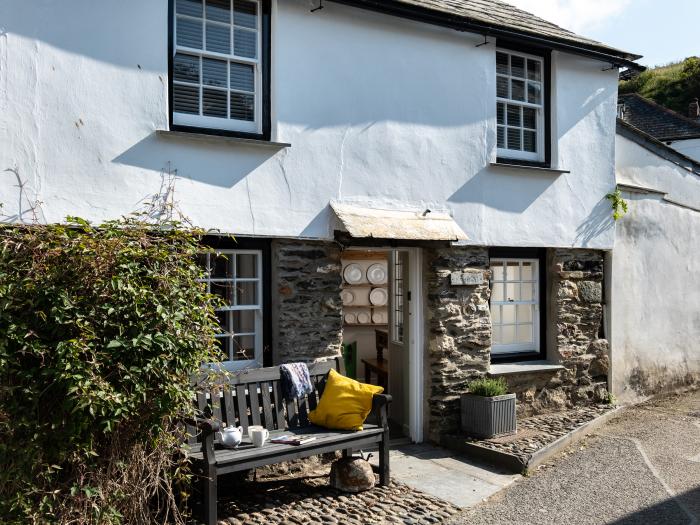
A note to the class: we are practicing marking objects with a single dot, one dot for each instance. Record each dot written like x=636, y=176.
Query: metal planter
x=486, y=417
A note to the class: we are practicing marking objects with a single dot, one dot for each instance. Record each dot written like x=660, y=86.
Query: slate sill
x=541, y=169
x=524, y=367
x=220, y=139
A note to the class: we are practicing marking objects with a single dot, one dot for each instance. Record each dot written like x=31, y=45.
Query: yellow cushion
x=345, y=403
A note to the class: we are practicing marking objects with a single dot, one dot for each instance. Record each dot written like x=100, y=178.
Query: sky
x=662, y=30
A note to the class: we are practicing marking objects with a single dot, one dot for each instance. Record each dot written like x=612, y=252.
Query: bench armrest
x=380, y=407
x=207, y=426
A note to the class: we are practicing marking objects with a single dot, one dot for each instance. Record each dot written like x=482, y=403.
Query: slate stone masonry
x=307, y=309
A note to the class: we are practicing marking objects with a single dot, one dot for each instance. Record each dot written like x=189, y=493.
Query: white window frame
x=539, y=154
x=398, y=302
x=535, y=347
x=203, y=121
x=257, y=361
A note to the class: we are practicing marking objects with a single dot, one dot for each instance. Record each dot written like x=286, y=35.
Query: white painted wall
x=377, y=109
x=689, y=148
x=655, y=297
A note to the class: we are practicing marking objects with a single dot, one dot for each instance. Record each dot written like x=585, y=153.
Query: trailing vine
x=619, y=205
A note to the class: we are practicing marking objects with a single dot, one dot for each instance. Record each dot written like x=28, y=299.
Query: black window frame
x=546, y=55
x=228, y=242
x=266, y=80
x=527, y=253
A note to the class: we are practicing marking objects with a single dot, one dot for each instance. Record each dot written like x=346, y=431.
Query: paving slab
x=447, y=475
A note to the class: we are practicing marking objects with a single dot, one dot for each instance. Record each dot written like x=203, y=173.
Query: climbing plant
x=101, y=329
x=619, y=205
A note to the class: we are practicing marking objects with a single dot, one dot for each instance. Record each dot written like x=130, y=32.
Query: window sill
x=523, y=367
x=220, y=139
x=514, y=165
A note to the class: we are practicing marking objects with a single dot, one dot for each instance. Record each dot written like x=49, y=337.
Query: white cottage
x=315, y=131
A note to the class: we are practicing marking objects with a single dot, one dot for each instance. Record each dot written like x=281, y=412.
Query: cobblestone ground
x=536, y=432
x=311, y=500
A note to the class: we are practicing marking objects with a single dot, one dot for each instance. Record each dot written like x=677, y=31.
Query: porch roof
x=399, y=224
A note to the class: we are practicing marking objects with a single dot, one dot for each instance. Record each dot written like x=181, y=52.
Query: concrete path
x=445, y=475
x=643, y=467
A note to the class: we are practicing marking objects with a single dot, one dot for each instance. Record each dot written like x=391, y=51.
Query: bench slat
x=215, y=396
x=242, y=407
x=254, y=403
x=229, y=408
x=267, y=405
x=279, y=405
x=292, y=416
x=202, y=404
x=303, y=412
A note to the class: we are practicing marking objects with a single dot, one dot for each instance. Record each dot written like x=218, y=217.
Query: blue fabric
x=296, y=381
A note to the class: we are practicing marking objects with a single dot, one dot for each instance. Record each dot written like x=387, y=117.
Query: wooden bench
x=254, y=397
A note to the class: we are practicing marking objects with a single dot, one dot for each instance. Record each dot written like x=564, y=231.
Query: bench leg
x=384, y=459
x=347, y=453
x=209, y=491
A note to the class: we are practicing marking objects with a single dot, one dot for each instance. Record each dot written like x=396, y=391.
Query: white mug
x=258, y=436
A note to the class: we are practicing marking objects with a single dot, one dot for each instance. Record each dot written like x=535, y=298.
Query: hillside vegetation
x=672, y=86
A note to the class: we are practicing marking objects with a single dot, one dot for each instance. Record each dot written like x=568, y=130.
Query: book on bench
x=292, y=440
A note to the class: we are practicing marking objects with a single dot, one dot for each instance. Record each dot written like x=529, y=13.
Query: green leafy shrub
x=488, y=387
x=101, y=330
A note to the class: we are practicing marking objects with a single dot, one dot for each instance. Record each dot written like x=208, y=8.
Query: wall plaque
x=467, y=278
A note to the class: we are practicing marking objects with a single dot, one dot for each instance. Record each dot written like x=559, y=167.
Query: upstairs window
x=520, y=106
x=218, y=68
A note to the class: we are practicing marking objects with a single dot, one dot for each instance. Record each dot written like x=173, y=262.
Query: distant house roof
x=657, y=121
x=482, y=15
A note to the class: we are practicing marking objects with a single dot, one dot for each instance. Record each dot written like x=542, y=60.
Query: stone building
x=423, y=176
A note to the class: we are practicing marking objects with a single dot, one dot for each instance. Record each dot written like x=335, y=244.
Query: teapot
x=231, y=436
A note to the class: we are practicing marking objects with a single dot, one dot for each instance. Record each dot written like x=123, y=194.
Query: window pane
x=224, y=290
x=242, y=77
x=224, y=347
x=214, y=73
x=186, y=68
x=530, y=118
x=225, y=321
x=496, y=314
x=497, y=292
x=214, y=103
x=529, y=141
x=244, y=347
x=189, y=33
x=501, y=137
x=221, y=266
x=533, y=70
x=534, y=93
x=219, y=10
x=508, y=314
x=507, y=335
x=245, y=43
x=246, y=265
x=525, y=333
x=502, y=63
x=527, y=271
x=500, y=113
x=513, y=138
x=502, y=87
x=244, y=321
x=513, y=271
x=512, y=292
x=497, y=269
x=525, y=313
x=189, y=7
x=246, y=293
x=514, y=115
x=242, y=106
x=517, y=89
x=245, y=13
x=527, y=292
x=219, y=38
x=185, y=99
x=517, y=66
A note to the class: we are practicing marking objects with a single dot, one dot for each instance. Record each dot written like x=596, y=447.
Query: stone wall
x=306, y=304
x=458, y=331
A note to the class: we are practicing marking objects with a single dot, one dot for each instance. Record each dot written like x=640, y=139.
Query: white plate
x=347, y=296
x=379, y=317
x=378, y=296
x=353, y=273
x=363, y=318
x=350, y=318
x=376, y=274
